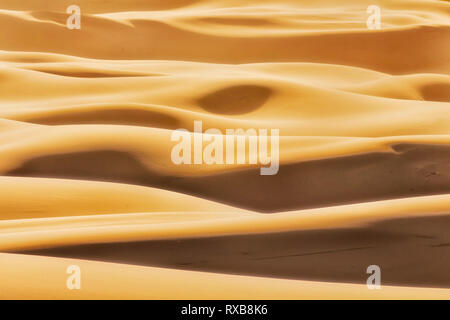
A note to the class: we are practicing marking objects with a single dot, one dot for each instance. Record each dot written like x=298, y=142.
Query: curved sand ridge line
x=320, y=243
x=156, y=283
x=151, y=5
x=431, y=87
x=249, y=95
x=373, y=50
x=85, y=123
x=311, y=176
x=21, y=142
x=57, y=231
x=65, y=198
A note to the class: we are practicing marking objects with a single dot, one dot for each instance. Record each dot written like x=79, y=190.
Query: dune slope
x=88, y=177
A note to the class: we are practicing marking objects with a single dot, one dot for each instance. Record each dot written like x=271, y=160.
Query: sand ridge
x=86, y=119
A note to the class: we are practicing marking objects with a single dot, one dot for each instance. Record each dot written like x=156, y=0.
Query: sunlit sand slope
x=312, y=244
x=248, y=32
x=102, y=280
x=87, y=176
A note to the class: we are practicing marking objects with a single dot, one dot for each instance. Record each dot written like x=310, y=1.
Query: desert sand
x=87, y=179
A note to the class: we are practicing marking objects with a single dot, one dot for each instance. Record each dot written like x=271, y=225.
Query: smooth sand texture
x=118, y=281
x=412, y=170
x=86, y=118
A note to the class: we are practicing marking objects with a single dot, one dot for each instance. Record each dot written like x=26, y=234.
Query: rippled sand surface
x=87, y=179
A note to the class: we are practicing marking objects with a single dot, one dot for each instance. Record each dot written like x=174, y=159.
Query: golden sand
x=86, y=118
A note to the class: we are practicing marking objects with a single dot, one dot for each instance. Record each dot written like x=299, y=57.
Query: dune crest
x=361, y=113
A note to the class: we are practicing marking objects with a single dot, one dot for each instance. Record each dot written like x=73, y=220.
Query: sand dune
x=338, y=255
x=243, y=93
x=327, y=244
x=140, y=37
x=140, y=283
x=49, y=197
x=412, y=170
x=338, y=217
x=86, y=119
